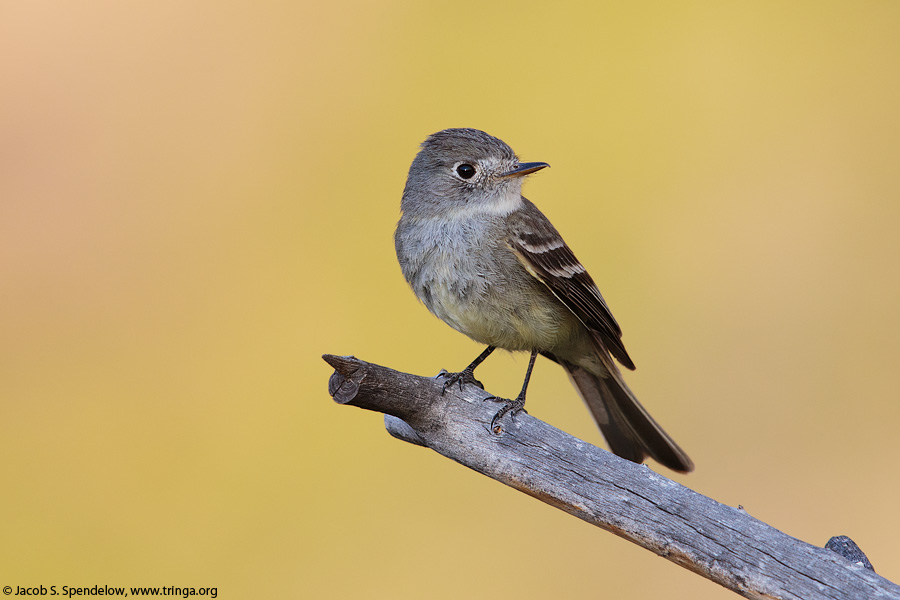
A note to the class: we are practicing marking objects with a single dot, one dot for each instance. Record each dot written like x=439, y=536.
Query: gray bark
x=719, y=542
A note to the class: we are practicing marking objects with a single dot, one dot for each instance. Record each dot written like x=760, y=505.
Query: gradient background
x=197, y=200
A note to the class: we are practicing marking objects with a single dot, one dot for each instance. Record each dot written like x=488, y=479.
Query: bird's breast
x=467, y=276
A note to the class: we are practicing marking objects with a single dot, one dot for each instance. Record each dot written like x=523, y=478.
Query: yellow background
x=197, y=200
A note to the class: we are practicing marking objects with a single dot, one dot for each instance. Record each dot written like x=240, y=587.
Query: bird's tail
x=629, y=430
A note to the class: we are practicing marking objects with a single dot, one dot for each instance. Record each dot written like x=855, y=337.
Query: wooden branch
x=719, y=542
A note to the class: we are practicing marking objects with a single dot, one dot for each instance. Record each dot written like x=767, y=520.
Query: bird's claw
x=513, y=407
x=463, y=377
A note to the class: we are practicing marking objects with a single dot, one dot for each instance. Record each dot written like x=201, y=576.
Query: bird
x=486, y=261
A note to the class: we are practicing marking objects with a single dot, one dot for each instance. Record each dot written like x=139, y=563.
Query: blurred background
x=197, y=200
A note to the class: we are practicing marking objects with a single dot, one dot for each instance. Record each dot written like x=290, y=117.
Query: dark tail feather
x=629, y=430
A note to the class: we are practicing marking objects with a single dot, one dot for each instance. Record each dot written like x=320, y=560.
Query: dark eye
x=465, y=170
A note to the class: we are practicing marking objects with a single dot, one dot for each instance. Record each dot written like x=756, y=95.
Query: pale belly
x=467, y=276
x=512, y=310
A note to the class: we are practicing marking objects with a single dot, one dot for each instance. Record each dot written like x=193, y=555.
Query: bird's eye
x=465, y=170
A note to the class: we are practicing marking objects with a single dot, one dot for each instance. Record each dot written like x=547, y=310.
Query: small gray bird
x=486, y=261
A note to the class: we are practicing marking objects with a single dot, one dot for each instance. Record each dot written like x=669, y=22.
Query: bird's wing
x=546, y=256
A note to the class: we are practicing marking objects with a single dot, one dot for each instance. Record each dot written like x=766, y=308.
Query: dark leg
x=514, y=406
x=467, y=375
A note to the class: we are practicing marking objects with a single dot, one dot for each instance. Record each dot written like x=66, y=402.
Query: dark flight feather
x=545, y=254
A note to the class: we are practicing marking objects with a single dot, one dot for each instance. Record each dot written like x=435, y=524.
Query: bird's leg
x=467, y=375
x=513, y=406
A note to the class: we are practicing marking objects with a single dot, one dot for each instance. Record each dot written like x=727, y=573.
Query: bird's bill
x=525, y=169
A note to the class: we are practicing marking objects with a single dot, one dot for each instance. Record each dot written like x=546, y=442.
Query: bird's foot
x=513, y=407
x=466, y=376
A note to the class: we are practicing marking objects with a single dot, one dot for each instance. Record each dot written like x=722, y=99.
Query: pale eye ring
x=465, y=170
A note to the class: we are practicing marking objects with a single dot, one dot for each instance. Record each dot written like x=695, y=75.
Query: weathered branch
x=719, y=542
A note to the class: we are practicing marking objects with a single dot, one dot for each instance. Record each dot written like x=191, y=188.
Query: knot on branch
x=847, y=548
